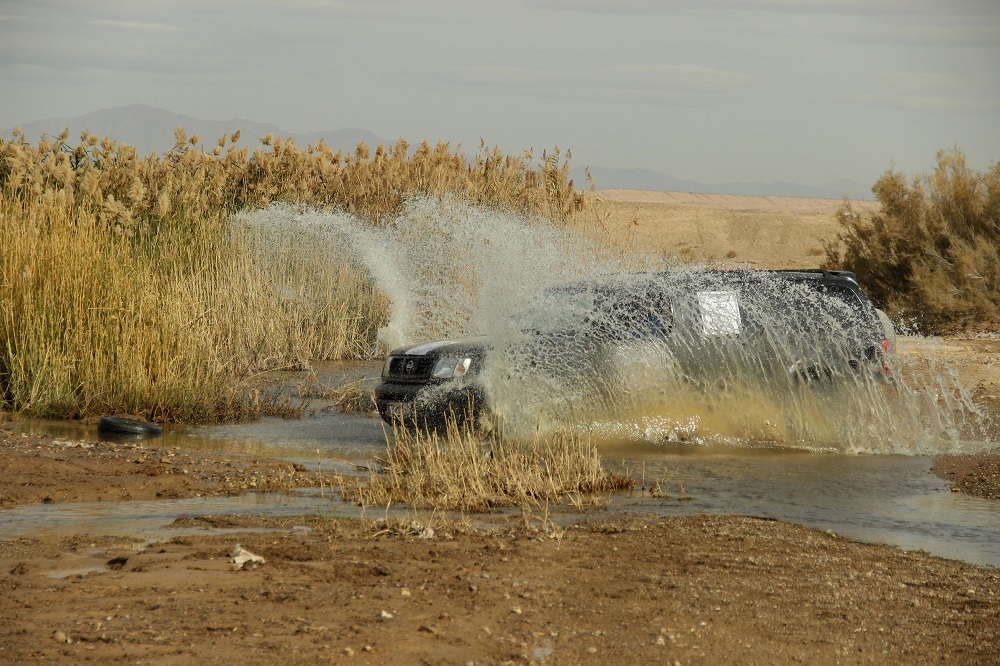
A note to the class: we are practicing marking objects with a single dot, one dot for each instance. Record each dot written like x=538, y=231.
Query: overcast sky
x=808, y=91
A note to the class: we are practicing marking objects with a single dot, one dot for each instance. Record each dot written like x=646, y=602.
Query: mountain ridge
x=151, y=129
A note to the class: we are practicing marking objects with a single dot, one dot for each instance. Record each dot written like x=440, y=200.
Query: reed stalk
x=125, y=286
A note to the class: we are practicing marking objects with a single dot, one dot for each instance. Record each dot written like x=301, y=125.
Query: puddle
x=149, y=519
x=891, y=499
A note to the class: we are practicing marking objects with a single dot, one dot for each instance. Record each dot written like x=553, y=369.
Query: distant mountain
x=151, y=129
x=649, y=179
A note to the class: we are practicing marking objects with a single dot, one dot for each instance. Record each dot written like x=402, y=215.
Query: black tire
x=121, y=425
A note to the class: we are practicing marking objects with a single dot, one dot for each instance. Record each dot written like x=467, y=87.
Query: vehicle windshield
x=610, y=312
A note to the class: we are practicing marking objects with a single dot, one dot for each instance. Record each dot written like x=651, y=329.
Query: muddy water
x=893, y=499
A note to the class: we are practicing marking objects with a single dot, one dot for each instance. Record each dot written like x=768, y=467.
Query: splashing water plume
x=560, y=358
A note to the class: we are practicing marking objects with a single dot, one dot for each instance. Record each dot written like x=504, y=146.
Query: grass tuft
x=451, y=469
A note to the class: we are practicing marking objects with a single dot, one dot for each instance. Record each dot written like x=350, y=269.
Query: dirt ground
x=45, y=470
x=701, y=590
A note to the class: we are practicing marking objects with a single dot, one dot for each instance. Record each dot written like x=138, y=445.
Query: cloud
x=819, y=7
x=135, y=25
x=917, y=90
x=672, y=76
x=952, y=32
x=675, y=85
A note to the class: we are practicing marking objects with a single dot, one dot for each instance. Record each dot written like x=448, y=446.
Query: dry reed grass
x=451, y=469
x=125, y=287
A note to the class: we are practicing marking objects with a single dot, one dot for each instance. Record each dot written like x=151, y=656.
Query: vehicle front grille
x=411, y=368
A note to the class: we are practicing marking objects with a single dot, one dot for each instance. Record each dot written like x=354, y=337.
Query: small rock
x=241, y=556
x=60, y=637
x=385, y=615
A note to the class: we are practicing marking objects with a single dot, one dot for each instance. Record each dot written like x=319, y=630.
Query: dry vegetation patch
x=126, y=287
x=454, y=469
x=931, y=254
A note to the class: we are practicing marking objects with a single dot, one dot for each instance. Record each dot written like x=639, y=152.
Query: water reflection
x=884, y=499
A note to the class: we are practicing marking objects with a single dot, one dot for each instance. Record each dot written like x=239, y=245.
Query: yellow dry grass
x=125, y=288
x=452, y=469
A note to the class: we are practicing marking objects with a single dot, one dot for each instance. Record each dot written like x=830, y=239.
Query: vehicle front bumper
x=427, y=404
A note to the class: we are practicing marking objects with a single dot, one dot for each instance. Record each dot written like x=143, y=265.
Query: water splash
x=454, y=270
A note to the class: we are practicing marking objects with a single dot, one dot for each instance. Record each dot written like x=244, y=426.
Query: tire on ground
x=122, y=425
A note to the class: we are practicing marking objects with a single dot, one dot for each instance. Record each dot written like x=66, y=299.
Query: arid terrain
x=766, y=232
x=600, y=589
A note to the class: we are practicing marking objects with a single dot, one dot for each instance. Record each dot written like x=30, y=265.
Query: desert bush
x=125, y=286
x=931, y=254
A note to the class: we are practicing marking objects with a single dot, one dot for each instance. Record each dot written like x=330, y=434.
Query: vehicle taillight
x=885, y=358
x=885, y=345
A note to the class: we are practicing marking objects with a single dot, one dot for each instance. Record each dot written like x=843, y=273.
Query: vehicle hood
x=467, y=346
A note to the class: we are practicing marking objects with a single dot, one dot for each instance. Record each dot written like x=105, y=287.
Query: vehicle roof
x=739, y=275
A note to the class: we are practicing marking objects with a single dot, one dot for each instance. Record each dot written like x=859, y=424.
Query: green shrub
x=931, y=254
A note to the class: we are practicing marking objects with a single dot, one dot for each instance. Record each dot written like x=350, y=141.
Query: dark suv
x=702, y=327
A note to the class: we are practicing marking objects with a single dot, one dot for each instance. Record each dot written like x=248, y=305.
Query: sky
x=805, y=91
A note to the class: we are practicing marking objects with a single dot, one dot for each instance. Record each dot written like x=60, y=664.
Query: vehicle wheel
x=121, y=425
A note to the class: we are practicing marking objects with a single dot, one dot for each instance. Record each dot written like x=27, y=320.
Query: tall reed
x=125, y=286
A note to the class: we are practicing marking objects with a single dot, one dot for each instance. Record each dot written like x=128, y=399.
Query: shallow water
x=892, y=499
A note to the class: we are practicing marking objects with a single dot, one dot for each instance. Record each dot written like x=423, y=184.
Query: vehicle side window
x=641, y=315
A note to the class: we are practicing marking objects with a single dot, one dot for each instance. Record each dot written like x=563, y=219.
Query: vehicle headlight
x=386, y=366
x=450, y=366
